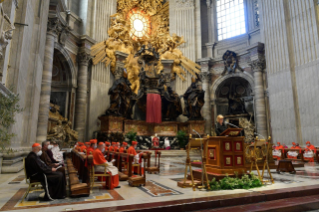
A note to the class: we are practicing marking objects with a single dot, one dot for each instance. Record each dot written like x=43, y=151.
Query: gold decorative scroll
x=160, y=39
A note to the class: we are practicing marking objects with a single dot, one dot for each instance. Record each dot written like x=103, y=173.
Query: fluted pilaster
x=82, y=95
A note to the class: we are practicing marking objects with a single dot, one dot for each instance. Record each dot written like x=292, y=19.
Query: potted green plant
x=181, y=137
x=8, y=108
x=131, y=136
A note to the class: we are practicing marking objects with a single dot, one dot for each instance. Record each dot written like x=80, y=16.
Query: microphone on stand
x=197, y=133
x=227, y=123
x=259, y=135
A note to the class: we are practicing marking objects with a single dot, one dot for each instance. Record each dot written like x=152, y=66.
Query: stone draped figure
x=121, y=97
x=194, y=100
x=171, y=105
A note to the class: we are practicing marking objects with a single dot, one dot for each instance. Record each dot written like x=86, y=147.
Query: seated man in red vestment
x=137, y=158
x=155, y=141
x=310, y=151
x=111, y=148
x=294, y=154
x=277, y=151
x=79, y=146
x=107, y=145
x=93, y=146
x=99, y=159
x=115, y=146
x=124, y=145
x=85, y=146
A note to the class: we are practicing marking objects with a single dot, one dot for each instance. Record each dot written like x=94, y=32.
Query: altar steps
x=302, y=198
x=296, y=204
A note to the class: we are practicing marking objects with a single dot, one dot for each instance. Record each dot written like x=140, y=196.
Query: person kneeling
x=52, y=181
x=99, y=159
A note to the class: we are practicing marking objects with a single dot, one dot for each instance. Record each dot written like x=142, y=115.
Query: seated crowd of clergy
x=45, y=164
x=116, y=146
x=308, y=154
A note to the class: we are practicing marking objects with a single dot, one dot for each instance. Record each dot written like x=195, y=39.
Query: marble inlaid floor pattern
x=160, y=188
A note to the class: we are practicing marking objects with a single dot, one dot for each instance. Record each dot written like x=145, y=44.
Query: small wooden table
x=285, y=166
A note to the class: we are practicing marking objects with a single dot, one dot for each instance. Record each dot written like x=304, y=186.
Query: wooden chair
x=104, y=174
x=315, y=154
x=138, y=180
x=299, y=157
x=33, y=185
x=126, y=161
x=156, y=167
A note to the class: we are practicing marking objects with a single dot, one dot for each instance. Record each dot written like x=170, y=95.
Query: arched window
x=230, y=18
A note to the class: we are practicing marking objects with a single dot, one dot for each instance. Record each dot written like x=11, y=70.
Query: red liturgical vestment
x=153, y=108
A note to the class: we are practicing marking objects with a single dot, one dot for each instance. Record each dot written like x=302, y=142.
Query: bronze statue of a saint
x=194, y=100
x=121, y=97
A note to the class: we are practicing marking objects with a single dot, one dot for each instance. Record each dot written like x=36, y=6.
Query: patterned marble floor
x=159, y=188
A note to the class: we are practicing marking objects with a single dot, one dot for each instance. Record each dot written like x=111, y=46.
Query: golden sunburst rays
x=135, y=25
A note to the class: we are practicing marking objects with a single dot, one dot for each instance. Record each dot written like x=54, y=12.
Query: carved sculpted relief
x=184, y=3
x=231, y=63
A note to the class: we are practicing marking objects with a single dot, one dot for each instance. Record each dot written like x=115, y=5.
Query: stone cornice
x=208, y=60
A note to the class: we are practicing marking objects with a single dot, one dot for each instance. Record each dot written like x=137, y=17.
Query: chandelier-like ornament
x=140, y=24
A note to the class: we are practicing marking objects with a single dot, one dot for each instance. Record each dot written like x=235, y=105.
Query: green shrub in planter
x=8, y=108
x=131, y=136
x=229, y=183
x=181, y=137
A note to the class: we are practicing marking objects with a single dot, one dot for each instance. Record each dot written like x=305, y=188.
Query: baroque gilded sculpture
x=61, y=130
x=125, y=38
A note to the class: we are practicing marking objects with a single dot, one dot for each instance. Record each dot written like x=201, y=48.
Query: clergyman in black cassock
x=53, y=182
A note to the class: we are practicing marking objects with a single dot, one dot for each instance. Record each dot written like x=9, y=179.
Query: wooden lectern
x=222, y=155
x=226, y=153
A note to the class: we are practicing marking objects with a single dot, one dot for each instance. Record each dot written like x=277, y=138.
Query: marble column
x=44, y=106
x=260, y=104
x=206, y=110
x=82, y=95
x=210, y=20
x=83, y=12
